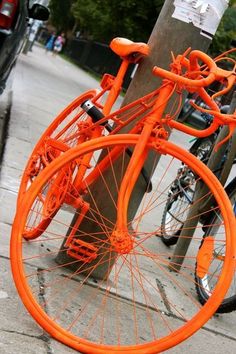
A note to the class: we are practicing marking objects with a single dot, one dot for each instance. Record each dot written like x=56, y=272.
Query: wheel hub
x=121, y=241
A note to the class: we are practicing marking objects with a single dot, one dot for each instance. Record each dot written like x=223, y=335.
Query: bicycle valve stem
x=92, y=111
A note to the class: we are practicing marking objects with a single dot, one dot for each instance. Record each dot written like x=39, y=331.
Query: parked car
x=14, y=15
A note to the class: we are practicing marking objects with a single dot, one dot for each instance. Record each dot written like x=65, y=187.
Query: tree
x=226, y=32
x=104, y=19
x=60, y=15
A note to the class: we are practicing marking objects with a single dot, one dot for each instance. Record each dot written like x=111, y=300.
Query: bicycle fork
x=121, y=239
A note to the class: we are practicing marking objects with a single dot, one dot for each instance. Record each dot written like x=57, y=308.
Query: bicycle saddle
x=128, y=49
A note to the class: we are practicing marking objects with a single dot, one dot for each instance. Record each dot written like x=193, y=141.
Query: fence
x=96, y=57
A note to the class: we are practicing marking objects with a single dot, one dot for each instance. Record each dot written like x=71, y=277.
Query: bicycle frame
x=150, y=122
x=153, y=119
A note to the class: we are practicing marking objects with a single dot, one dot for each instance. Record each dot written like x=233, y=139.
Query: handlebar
x=184, y=80
x=193, y=69
x=194, y=81
x=195, y=132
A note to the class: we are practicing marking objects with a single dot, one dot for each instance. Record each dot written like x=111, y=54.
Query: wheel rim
x=175, y=217
x=166, y=341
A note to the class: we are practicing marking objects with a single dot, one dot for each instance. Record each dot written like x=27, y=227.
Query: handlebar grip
x=184, y=80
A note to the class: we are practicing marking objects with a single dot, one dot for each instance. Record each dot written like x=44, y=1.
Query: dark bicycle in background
x=181, y=196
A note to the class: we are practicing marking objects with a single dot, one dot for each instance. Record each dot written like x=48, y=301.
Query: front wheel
x=202, y=147
x=88, y=295
x=180, y=197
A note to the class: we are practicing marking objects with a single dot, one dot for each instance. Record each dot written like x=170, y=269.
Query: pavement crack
x=8, y=190
x=164, y=296
x=42, y=302
x=224, y=335
x=6, y=223
x=20, y=333
x=4, y=257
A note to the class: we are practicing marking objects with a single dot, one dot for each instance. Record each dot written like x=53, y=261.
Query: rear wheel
x=205, y=284
x=96, y=299
x=65, y=130
x=181, y=194
x=177, y=206
x=62, y=134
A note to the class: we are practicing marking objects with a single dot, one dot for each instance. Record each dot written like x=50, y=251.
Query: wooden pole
x=192, y=218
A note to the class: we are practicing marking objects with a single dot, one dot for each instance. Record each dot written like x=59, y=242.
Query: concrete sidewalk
x=42, y=86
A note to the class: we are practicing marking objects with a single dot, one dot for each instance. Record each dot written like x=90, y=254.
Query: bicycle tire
x=202, y=147
x=203, y=285
x=62, y=129
x=129, y=310
x=168, y=237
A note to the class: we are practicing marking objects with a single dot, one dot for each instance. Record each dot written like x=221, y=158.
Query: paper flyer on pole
x=204, y=14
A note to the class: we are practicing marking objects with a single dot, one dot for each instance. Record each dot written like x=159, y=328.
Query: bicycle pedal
x=81, y=250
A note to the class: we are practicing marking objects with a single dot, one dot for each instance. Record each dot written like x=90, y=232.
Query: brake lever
x=229, y=77
x=228, y=119
x=231, y=126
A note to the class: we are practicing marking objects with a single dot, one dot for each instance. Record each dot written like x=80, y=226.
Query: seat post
x=116, y=87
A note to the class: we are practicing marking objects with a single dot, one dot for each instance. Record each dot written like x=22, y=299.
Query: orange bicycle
x=95, y=277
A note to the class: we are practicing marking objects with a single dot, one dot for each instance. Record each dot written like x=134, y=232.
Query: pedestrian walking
x=58, y=44
x=50, y=43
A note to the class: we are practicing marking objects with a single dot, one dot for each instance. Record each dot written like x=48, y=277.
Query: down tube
x=104, y=163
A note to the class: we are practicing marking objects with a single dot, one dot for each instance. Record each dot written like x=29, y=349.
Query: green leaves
x=226, y=32
x=103, y=20
x=60, y=14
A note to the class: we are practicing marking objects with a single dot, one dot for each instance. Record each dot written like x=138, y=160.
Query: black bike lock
x=92, y=111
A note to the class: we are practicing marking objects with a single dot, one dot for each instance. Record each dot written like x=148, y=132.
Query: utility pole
x=192, y=218
x=174, y=31
x=176, y=35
